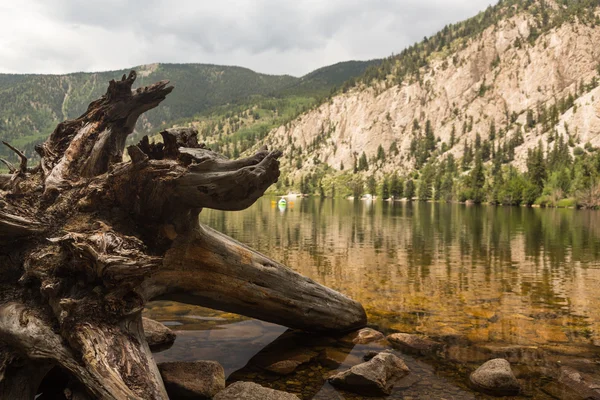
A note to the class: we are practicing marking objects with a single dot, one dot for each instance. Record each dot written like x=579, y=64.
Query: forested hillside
x=32, y=105
x=503, y=107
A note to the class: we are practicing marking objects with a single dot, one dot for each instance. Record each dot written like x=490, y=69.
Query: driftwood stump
x=87, y=239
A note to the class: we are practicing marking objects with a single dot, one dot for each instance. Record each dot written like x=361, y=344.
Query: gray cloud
x=271, y=36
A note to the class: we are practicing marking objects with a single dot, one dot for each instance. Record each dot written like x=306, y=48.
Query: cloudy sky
x=270, y=36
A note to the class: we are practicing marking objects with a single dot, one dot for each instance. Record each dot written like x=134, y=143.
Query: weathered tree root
x=87, y=239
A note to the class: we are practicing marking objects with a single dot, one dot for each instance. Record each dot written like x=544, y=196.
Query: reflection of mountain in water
x=512, y=275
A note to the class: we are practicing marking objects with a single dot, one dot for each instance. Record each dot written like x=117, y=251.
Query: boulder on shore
x=414, y=344
x=495, y=377
x=158, y=336
x=192, y=380
x=252, y=391
x=372, y=378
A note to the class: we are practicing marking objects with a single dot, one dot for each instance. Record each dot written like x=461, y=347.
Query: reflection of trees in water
x=403, y=249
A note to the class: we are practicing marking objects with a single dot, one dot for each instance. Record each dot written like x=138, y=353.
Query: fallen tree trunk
x=87, y=239
x=210, y=269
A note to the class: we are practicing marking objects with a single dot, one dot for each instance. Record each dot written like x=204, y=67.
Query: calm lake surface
x=518, y=283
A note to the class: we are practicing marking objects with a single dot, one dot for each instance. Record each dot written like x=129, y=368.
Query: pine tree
x=485, y=150
x=409, y=190
x=477, y=180
x=492, y=130
x=536, y=168
x=357, y=186
x=467, y=156
x=380, y=154
x=429, y=137
x=385, y=188
x=372, y=185
x=363, y=165
x=426, y=183
x=437, y=184
x=447, y=187
x=451, y=164
x=530, y=122
x=396, y=187
x=416, y=126
x=303, y=188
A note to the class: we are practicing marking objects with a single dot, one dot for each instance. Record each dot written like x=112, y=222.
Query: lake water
x=519, y=283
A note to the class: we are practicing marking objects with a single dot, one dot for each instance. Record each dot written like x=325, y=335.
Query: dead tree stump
x=87, y=239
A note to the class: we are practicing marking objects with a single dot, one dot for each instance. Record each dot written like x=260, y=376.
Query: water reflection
x=493, y=277
x=452, y=263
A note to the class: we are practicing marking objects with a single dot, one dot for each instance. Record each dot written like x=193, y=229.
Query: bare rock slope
x=492, y=78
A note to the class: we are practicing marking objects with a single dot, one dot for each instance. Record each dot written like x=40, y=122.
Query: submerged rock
x=192, y=380
x=585, y=385
x=291, y=350
x=286, y=361
x=158, y=336
x=514, y=353
x=466, y=355
x=332, y=357
x=495, y=377
x=373, y=378
x=252, y=391
x=284, y=367
x=368, y=335
x=414, y=344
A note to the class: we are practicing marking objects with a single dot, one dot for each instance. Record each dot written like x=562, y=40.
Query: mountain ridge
x=499, y=83
x=31, y=105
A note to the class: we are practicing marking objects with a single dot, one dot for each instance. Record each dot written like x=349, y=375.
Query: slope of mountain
x=495, y=86
x=234, y=128
x=32, y=105
x=324, y=79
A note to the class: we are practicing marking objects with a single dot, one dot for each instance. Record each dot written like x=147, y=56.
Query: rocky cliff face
x=495, y=78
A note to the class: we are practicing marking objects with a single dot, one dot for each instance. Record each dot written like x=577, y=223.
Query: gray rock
x=368, y=335
x=495, y=377
x=158, y=336
x=369, y=355
x=252, y=391
x=373, y=378
x=585, y=385
x=372, y=353
x=414, y=344
x=192, y=380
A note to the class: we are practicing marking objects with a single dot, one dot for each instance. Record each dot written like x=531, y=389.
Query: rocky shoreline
x=293, y=365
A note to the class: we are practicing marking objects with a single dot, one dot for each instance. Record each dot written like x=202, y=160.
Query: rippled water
x=488, y=281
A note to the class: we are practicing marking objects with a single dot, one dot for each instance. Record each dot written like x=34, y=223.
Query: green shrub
x=567, y=203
